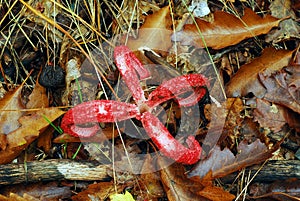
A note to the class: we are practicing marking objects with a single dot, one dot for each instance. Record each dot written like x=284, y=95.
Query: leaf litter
x=225, y=30
x=270, y=78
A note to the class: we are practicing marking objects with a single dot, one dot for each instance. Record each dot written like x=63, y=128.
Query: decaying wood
x=273, y=170
x=50, y=170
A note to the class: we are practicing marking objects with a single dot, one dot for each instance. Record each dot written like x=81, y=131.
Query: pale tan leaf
x=32, y=125
x=155, y=33
x=97, y=191
x=10, y=107
x=38, y=98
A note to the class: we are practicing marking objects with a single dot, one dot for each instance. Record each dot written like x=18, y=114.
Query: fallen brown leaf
x=44, y=142
x=9, y=118
x=38, y=191
x=150, y=181
x=283, y=87
x=287, y=190
x=292, y=118
x=226, y=29
x=100, y=190
x=246, y=79
x=222, y=163
x=31, y=127
x=269, y=115
x=15, y=197
x=3, y=141
x=105, y=134
x=288, y=28
x=179, y=187
x=250, y=131
x=216, y=194
x=38, y=98
x=223, y=123
x=155, y=33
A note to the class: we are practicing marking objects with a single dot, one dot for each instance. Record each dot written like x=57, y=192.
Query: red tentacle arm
x=195, y=84
x=132, y=71
x=130, y=67
x=96, y=111
x=167, y=144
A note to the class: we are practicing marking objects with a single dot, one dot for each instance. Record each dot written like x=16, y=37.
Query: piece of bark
x=272, y=171
x=50, y=170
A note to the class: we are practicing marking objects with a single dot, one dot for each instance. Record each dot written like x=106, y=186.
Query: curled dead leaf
x=179, y=187
x=269, y=115
x=223, y=162
x=283, y=87
x=224, y=122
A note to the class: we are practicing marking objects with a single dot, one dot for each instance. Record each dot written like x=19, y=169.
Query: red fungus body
x=132, y=71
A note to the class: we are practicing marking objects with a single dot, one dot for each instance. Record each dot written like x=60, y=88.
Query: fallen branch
x=272, y=171
x=50, y=170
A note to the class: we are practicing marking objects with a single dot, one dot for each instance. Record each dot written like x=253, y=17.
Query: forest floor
x=150, y=100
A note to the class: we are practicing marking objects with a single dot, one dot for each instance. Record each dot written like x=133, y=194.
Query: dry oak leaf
x=288, y=28
x=246, y=79
x=38, y=191
x=283, y=87
x=10, y=111
x=222, y=163
x=38, y=98
x=155, y=33
x=287, y=190
x=32, y=125
x=179, y=187
x=105, y=134
x=270, y=115
x=97, y=191
x=223, y=123
x=225, y=30
x=16, y=197
x=150, y=182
